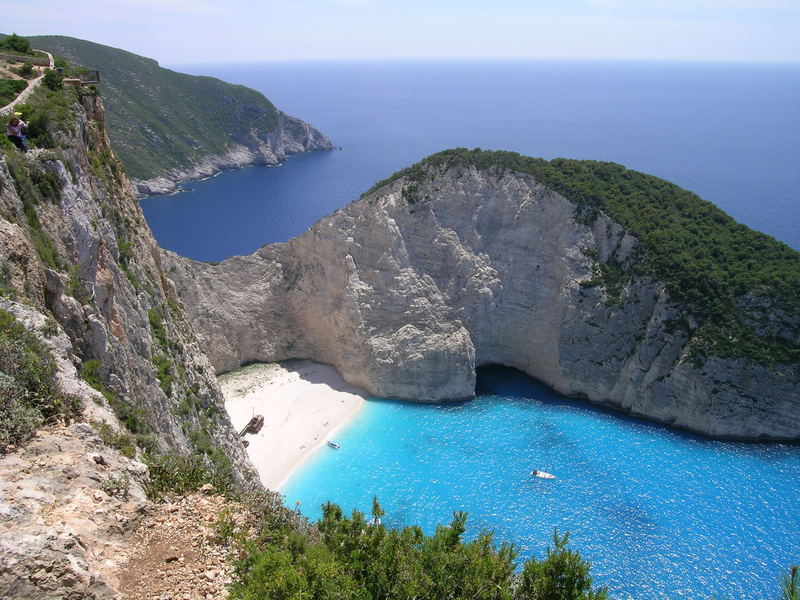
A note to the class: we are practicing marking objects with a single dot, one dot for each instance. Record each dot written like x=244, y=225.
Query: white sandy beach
x=303, y=403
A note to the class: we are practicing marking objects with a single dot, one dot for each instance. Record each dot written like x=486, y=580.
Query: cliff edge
x=565, y=270
x=168, y=127
x=106, y=396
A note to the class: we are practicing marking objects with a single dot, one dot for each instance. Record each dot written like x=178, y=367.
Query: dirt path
x=23, y=95
x=175, y=555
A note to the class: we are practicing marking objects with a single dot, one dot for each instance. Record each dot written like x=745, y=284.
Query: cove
x=660, y=513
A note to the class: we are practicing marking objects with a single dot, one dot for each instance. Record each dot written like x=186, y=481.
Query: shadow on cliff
x=500, y=380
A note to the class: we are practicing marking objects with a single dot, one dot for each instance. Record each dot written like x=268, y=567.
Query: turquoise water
x=660, y=513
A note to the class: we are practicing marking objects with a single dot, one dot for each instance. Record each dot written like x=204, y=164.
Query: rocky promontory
x=564, y=270
x=291, y=136
x=169, y=127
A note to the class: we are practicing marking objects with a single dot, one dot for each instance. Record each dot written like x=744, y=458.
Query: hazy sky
x=184, y=31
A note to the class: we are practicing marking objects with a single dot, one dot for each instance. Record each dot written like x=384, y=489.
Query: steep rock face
x=407, y=290
x=292, y=136
x=78, y=262
x=103, y=279
x=67, y=500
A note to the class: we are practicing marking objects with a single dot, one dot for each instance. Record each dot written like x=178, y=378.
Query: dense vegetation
x=709, y=262
x=159, y=119
x=281, y=556
x=10, y=89
x=16, y=44
x=29, y=396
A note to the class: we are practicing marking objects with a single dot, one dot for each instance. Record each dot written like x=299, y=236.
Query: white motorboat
x=542, y=474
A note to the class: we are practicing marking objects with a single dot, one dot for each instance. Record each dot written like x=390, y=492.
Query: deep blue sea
x=730, y=133
x=660, y=513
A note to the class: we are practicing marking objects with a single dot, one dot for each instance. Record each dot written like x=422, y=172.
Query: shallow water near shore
x=660, y=513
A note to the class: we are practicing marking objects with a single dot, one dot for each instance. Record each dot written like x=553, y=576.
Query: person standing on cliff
x=15, y=132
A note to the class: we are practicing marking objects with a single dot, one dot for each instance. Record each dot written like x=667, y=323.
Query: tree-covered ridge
x=741, y=284
x=159, y=119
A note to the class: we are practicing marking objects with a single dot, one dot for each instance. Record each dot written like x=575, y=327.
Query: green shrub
x=18, y=422
x=180, y=473
x=790, y=584
x=355, y=560
x=26, y=71
x=125, y=443
x=28, y=392
x=52, y=80
x=164, y=373
x=15, y=43
x=117, y=486
x=157, y=327
x=561, y=575
x=10, y=89
x=47, y=112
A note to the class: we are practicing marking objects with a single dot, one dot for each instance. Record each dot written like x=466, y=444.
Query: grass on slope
x=29, y=395
x=708, y=261
x=10, y=89
x=159, y=119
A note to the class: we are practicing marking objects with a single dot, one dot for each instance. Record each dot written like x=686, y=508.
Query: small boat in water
x=542, y=474
x=333, y=444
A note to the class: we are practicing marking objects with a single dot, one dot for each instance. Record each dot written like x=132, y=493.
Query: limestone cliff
x=291, y=136
x=451, y=266
x=80, y=268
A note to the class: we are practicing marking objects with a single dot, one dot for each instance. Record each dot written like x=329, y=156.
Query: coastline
x=303, y=404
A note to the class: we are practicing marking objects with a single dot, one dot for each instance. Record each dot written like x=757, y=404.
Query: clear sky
x=186, y=31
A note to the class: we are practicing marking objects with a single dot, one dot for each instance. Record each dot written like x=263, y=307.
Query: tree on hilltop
x=15, y=43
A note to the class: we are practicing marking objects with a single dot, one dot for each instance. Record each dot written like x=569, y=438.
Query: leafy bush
x=28, y=392
x=18, y=422
x=117, y=486
x=790, y=584
x=358, y=560
x=180, y=473
x=46, y=112
x=164, y=373
x=52, y=80
x=562, y=575
x=26, y=71
x=15, y=43
x=125, y=443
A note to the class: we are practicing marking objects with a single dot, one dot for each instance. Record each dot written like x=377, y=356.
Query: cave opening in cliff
x=499, y=379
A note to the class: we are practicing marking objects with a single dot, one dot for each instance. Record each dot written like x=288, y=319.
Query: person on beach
x=15, y=132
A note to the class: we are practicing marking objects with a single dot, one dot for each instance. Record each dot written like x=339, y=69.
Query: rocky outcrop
x=80, y=268
x=292, y=136
x=68, y=501
x=409, y=289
